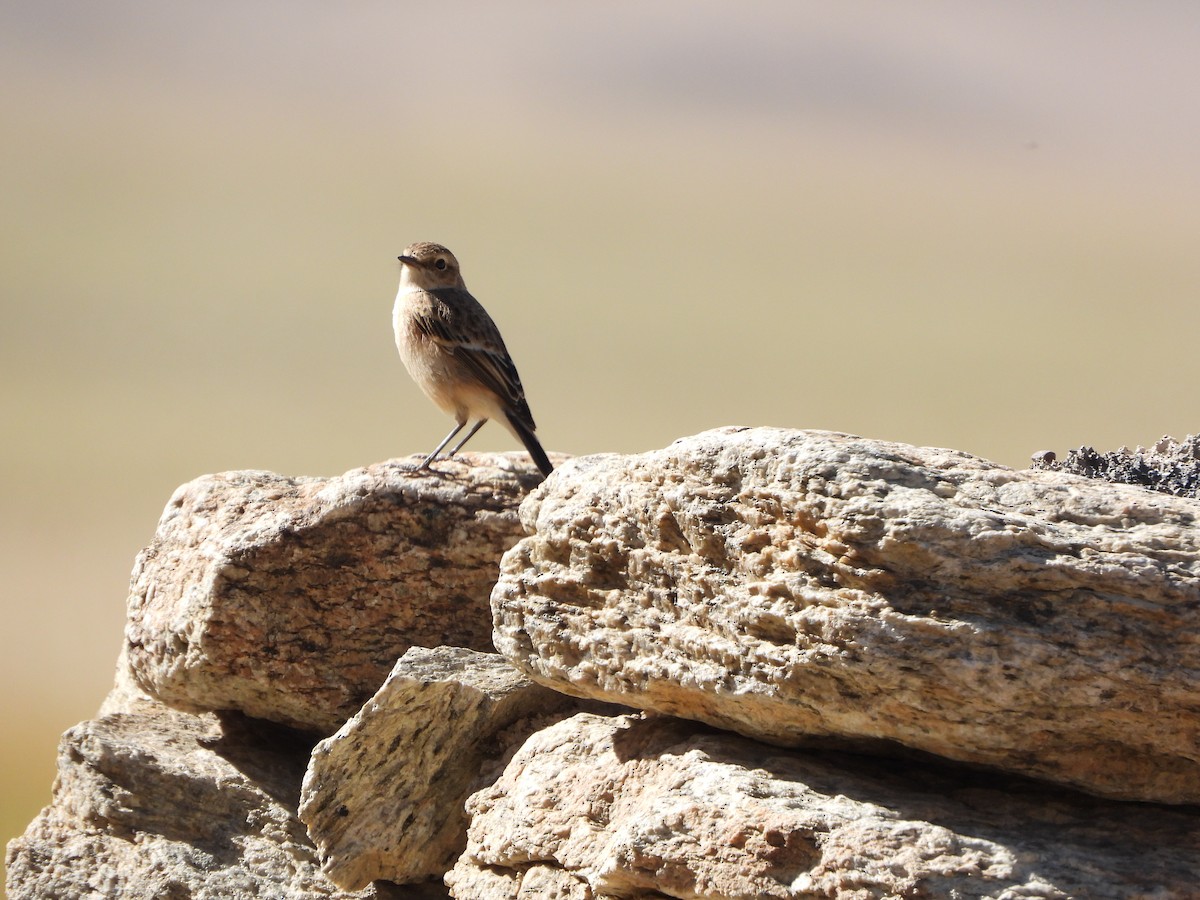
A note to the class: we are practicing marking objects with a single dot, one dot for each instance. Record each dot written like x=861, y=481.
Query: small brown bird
x=454, y=352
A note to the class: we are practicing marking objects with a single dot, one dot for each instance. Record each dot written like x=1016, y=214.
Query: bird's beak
x=409, y=260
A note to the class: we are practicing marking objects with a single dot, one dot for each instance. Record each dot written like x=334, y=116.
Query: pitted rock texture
x=599, y=807
x=153, y=803
x=290, y=599
x=383, y=798
x=794, y=585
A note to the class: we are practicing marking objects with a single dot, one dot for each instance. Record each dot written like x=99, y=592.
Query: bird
x=453, y=351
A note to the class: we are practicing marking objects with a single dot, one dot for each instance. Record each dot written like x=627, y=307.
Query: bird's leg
x=432, y=456
x=470, y=434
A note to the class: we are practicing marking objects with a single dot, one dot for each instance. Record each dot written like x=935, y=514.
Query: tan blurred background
x=961, y=224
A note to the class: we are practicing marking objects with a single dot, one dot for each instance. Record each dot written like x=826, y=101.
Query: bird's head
x=430, y=266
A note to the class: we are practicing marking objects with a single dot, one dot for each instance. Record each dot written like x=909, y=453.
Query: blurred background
x=970, y=225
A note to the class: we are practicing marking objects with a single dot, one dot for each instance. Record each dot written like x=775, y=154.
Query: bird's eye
x=441, y=263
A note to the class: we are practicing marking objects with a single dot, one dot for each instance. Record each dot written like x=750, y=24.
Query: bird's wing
x=462, y=327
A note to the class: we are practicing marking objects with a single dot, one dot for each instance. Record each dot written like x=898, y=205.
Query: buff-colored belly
x=436, y=370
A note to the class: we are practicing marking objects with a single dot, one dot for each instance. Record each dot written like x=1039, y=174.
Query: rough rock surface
x=807, y=589
x=154, y=803
x=790, y=585
x=620, y=807
x=383, y=798
x=290, y=599
x=1170, y=466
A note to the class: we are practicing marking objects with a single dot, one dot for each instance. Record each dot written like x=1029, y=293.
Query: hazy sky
x=1116, y=79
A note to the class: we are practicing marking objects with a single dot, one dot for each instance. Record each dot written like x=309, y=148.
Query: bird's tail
x=529, y=439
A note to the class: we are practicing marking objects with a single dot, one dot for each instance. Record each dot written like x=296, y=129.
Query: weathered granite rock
x=289, y=599
x=383, y=798
x=126, y=695
x=156, y=803
x=791, y=585
x=620, y=807
x=1170, y=466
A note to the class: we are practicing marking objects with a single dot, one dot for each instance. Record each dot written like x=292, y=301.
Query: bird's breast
x=410, y=304
x=427, y=362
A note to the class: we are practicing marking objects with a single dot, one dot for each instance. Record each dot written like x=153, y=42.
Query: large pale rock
x=795, y=585
x=155, y=803
x=620, y=807
x=383, y=797
x=289, y=599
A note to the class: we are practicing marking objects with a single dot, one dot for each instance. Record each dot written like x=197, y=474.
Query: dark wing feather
x=462, y=327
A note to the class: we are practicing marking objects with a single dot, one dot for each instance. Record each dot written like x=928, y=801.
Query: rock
x=1170, y=466
x=126, y=695
x=621, y=807
x=793, y=586
x=383, y=798
x=162, y=804
x=289, y=599
x=810, y=590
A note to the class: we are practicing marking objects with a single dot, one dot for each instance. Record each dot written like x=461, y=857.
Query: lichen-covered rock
x=795, y=585
x=383, y=797
x=1170, y=466
x=289, y=599
x=154, y=803
x=623, y=807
